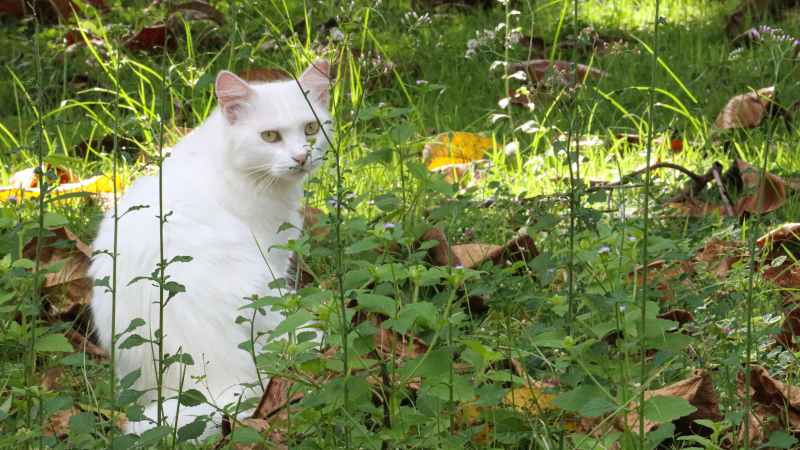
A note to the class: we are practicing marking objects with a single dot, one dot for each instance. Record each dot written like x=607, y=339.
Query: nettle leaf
x=377, y=303
x=61, y=402
x=135, y=323
x=291, y=323
x=154, y=435
x=132, y=341
x=247, y=435
x=463, y=390
x=127, y=397
x=365, y=244
x=82, y=422
x=660, y=435
x=779, y=439
x=192, y=430
x=127, y=381
x=402, y=132
x=383, y=156
x=182, y=259
x=192, y=397
x=423, y=311
x=436, y=363
x=52, y=220
x=663, y=409
x=597, y=406
x=173, y=288
x=577, y=398
x=53, y=343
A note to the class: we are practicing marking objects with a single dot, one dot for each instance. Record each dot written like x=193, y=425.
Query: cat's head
x=275, y=130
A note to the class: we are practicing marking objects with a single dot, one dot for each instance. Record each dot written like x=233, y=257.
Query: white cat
x=227, y=188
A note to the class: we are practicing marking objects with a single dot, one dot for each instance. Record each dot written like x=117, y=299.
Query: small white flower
x=472, y=43
x=470, y=53
x=337, y=35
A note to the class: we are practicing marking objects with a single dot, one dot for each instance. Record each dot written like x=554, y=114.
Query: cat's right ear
x=233, y=94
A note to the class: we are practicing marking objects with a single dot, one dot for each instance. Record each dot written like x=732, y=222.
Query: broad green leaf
x=402, y=132
x=597, y=406
x=56, y=342
x=127, y=381
x=779, y=439
x=247, y=435
x=154, y=435
x=82, y=422
x=192, y=430
x=132, y=341
x=662, y=409
x=365, y=244
x=192, y=397
x=377, y=303
x=291, y=323
x=663, y=433
x=52, y=219
x=577, y=398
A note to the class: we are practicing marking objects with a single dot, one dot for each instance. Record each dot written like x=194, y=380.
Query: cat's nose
x=300, y=159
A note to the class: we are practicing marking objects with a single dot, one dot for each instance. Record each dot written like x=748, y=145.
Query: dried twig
x=722, y=192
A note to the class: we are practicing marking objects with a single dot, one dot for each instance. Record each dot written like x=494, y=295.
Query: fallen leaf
x=69, y=290
x=721, y=255
x=455, y=148
x=50, y=379
x=774, y=190
x=777, y=405
x=59, y=424
x=265, y=75
x=441, y=254
x=48, y=11
x=536, y=69
x=747, y=110
x=98, y=184
x=198, y=10
x=788, y=232
x=698, y=390
x=678, y=315
x=152, y=38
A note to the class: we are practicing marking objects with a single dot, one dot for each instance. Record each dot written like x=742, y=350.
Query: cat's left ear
x=316, y=81
x=234, y=94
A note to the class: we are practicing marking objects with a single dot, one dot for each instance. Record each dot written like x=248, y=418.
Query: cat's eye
x=312, y=128
x=271, y=136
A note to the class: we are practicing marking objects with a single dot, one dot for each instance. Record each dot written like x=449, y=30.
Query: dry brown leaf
x=265, y=75
x=721, y=255
x=748, y=110
x=472, y=255
x=59, y=424
x=48, y=11
x=69, y=289
x=693, y=207
x=198, y=10
x=788, y=232
x=774, y=190
x=678, y=315
x=664, y=272
x=778, y=404
x=152, y=38
x=441, y=254
x=698, y=390
x=50, y=379
x=536, y=69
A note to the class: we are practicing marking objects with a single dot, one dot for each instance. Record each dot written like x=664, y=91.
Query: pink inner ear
x=233, y=94
x=315, y=80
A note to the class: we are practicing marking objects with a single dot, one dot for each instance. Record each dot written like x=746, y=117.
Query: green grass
x=554, y=315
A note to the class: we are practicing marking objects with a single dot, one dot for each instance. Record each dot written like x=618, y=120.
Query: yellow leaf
x=99, y=184
x=525, y=400
x=456, y=146
x=445, y=161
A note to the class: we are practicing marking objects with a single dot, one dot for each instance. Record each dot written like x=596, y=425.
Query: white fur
x=226, y=189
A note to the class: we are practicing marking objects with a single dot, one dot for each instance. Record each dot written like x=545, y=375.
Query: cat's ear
x=315, y=81
x=233, y=94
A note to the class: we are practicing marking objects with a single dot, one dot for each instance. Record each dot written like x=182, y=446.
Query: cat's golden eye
x=312, y=128
x=271, y=136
